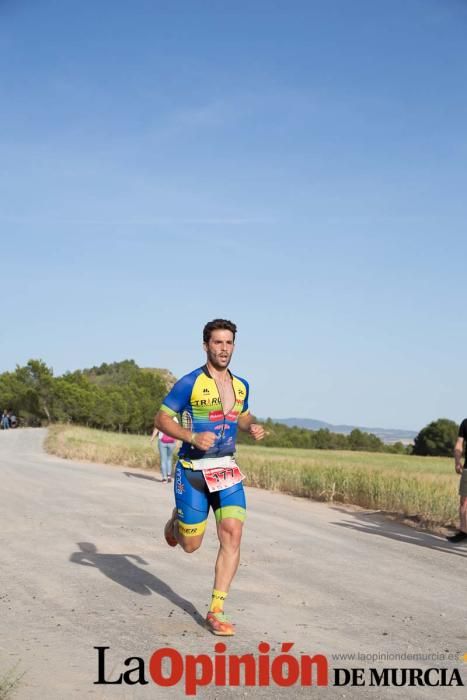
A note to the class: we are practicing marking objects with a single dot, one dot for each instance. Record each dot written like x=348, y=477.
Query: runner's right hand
x=204, y=441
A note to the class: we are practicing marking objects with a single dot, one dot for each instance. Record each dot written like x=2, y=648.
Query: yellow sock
x=217, y=601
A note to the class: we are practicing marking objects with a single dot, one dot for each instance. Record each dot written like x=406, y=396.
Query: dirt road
x=84, y=564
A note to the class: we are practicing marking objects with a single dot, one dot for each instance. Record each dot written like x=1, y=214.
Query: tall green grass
x=427, y=497
x=419, y=488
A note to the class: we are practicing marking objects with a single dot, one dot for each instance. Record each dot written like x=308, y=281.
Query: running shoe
x=169, y=530
x=458, y=537
x=218, y=623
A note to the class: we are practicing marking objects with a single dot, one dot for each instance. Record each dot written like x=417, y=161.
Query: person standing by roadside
x=166, y=445
x=459, y=448
x=5, y=422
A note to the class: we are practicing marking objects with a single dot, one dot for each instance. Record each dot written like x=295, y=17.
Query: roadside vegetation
x=9, y=682
x=91, y=445
x=104, y=414
x=422, y=489
x=122, y=397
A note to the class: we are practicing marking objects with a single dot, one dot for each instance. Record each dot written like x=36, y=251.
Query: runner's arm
x=458, y=452
x=166, y=424
x=248, y=423
x=245, y=421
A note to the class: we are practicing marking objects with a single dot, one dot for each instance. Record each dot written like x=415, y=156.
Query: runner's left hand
x=256, y=431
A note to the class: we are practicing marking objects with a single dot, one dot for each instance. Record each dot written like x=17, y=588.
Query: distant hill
x=387, y=435
x=165, y=374
x=117, y=372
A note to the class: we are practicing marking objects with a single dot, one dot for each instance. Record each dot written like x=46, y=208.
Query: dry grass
x=88, y=445
x=424, y=492
x=421, y=488
x=9, y=683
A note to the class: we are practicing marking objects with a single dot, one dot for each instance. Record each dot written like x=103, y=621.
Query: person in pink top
x=167, y=446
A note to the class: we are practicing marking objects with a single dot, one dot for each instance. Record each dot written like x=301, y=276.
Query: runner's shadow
x=141, y=476
x=375, y=524
x=119, y=568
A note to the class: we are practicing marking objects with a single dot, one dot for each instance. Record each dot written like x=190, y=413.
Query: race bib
x=219, y=478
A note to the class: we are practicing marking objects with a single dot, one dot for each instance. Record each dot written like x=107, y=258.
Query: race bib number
x=220, y=478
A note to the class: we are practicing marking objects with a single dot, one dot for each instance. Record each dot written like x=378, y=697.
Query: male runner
x=461, y=535
x=212, y=403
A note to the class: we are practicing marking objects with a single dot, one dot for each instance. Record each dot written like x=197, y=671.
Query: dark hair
x=219, y=324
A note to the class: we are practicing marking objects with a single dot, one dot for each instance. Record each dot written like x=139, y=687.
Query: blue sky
x=298, y=167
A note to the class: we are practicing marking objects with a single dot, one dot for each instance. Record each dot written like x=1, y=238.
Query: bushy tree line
x=124, y=397
x=280, y=435
x=437, y=439
x=119, y=396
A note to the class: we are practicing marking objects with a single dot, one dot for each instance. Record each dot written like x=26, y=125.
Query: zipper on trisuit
x=222, y=405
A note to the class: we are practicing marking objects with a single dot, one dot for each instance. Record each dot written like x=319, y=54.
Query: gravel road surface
x=84, y=564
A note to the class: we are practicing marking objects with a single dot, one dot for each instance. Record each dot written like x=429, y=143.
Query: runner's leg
x=188, y=522
x=230, y=510
x=229, y=532
x=229, y=507
x=463, y=513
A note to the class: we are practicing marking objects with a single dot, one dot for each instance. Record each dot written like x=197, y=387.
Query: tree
x=397, y=448
x=436, y=439
x=12, y=392
x=38, y=380
x=73, y=399
x=365, y=442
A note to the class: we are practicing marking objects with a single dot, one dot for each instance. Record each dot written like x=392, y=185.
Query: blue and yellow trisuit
x=196, y=400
